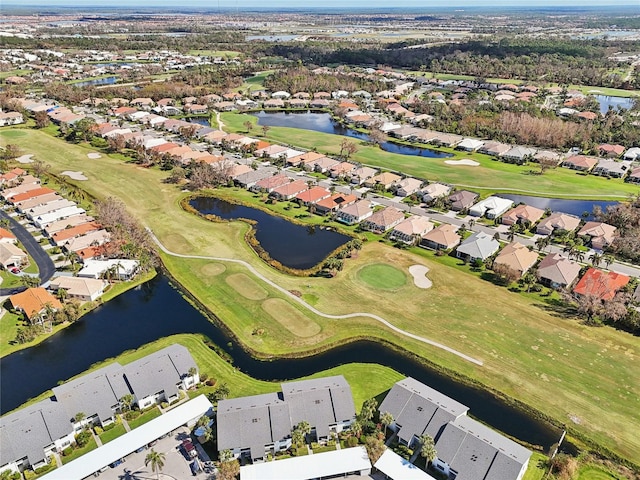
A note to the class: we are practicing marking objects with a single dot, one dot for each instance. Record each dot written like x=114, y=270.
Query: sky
x=371, y=4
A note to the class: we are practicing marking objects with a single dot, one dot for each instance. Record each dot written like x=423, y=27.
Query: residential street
x=46, y=268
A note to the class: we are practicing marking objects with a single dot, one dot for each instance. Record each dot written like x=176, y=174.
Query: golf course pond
x=295, y=246
x=156, y=309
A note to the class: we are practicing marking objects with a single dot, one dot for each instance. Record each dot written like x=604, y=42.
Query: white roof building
x=43, y=220
x=492, y=207
x=397, y=468
x=125, y=269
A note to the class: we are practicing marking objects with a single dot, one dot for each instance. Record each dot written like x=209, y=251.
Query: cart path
x=313, y=309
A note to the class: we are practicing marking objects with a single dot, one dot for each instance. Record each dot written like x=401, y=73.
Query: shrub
x=164, y=405
x=67, y=451
x=109, y=427
x=98, y=430
x=29, y=474
x=352, y=442
x=83, y=438
x=204, y=377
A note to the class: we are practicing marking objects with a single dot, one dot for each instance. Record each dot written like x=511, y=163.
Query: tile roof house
x=386, y=179
x=407, y=186
x=6, y=236
x=433, y=191
x=304, y=158
x=342, y=169
x=523, y=214
x=33, y=302
x=632, y=154
x=556, y=271
x=600, y=284
x=580, y=162
x=289, y=190
x=261, y=424
x=519, y=154
x=410, y=230
x=491, y=207
x=557, y=221
x=355, y=213
x=383, y=220
x=443, y=237
x=634, y=175
x=602, y=234
x=361, y=174
x=11, y=256
x=612, y=168
x=478, y=246
x=517, y=257
x=313, y=195
x=66, y=223
x=83, y=289
x=470, y=144
x=462, y=200
x=495, y=149
x=335, y=202
x=268, y=184
x=607, y=150
x=91, y=239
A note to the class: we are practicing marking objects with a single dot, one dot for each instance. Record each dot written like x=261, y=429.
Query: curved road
x=45, y=265
x=315, y=310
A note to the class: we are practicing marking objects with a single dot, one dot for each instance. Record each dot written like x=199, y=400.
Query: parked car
x=116, y=463
x=15, y=270
x=189, y=449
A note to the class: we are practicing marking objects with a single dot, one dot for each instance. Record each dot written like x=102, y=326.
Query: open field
x=214, y=53
x=489, y=177
x=530, y=353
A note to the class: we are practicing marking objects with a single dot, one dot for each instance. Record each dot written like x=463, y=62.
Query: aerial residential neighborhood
x=302, y=242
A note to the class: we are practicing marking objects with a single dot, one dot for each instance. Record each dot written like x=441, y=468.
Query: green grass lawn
x=531, y=353
x=15, y=73
x=489, y=177
x=536, y=469
x=382, y=276
x=144, y=418
x=113, y=433
x=78, y=452
x=214, y=53
x=595, y=472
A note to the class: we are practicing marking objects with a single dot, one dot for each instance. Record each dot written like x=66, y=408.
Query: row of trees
x=301, y=79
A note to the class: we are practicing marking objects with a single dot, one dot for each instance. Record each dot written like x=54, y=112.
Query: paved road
x=313, y=309
x=45, y=265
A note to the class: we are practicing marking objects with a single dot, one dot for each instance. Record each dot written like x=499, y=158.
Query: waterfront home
x=462, y=200
x=383, y=220
x=334, y=202
x=556, y=271
x=259, y=425
x=289, y=190
x=478, y=246
x=522, y=214
x=122, y=269
x=34, y=302
x=82, y=289
x=196, y=109
x=516, y=257
x=600, y=284
x=313, y=195
x=269, y=184
x=411, y=229
x=557, y=221
x=355, y=213
x=491, y=207
x=250, y=177
x=447, y=139
x=443, y=237
x=601, y=234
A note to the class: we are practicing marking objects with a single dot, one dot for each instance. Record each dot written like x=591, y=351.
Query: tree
x=376, y=136
x=11, y=152
x=356, y=428
x=543, y=242
x=615, y=309
x=248, y=126
x=528, y=280
x=265, y=130
x=386, y=419
x=225, y=455
x=505, y=273
x=228, y=470
x=79, y=417
x=546, y=163
x=347, y=148
x=427, y=448
x=496, y=236
x=156, y=460
x=127, y=402
x=375, y=448
x=368, y=410
x=220, y=393
x=596, y=258
x=40, y=168
x=42, y=119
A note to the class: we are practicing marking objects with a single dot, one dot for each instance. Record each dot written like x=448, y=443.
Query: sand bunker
x=94, y=155
x=25, y=158
x=464, y=161
x=74, y=175
x=419, y=273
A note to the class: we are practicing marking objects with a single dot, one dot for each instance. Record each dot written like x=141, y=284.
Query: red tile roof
x=603, y=285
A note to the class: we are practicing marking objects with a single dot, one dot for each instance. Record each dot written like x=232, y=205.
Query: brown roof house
x=580, y=163
x=557, y=221
x=383, y=220
x=334, y=202
x=443, y=237
x=410, y=230
x=11, y=256
x=523, y=214
x=355, y=213
x=600, y=284
x=313, y=195
x=386, y=179
x=289, y=190
x=602, y=234
x=34, y=303
x=517, y=257
x=556, y=271
x=462, y=200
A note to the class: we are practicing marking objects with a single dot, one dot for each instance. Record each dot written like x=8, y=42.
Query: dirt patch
x=74, y=175
x=94, y=155
x=465, y=162
x=213, y=269
x=25, y=158
x=419, y=274
x=246, y=286
x=290, y=318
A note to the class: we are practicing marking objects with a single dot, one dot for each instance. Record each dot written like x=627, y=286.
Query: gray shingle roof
x=479, y=245
x=419, y=409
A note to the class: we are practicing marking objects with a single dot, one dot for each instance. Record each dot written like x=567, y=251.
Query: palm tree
x=356, y=428
x=61, y=293
x=386, y=419
x=79, y=417
x=156, y=460
x=127, y=401
x=427, y=448
x=608, y=260
x=368, y=409
x=512, y=232
x=225, y=455
x=529, y=280
x=543, y=242
x=578, y=255
x=596, y=258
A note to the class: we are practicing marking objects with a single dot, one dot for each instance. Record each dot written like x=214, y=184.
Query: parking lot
x=176, y=465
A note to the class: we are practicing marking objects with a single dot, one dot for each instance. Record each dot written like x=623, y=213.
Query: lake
x=613, y=102
x=156, y=310
x=97, y=81
x=294, y=246
x=573, y=207
x=322, y=122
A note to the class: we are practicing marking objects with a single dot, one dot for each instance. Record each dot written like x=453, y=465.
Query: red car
x=189, y=449
x=15, y=270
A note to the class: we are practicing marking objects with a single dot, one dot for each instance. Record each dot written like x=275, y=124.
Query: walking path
x=313, y=309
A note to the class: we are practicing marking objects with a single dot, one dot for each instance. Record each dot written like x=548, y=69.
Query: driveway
x=45, y=265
